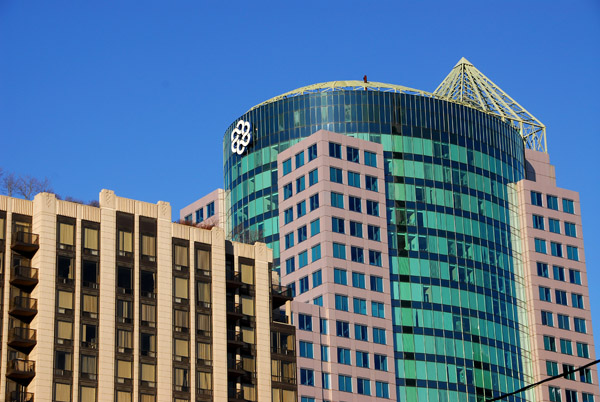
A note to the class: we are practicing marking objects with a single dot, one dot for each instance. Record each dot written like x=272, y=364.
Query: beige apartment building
x=119, y=303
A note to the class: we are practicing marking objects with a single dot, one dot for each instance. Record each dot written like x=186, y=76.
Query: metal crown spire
x=467, y=85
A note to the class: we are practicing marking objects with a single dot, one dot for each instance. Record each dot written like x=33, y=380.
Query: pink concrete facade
x=557, y=285
x=315, y=283
x=209, y=209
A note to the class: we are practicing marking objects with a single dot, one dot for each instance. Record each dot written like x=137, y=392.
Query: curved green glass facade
x=456, y=276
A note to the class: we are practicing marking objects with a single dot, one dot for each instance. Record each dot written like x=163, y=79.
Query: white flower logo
x=241, y=137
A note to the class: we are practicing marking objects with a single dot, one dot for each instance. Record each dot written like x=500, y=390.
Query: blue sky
x=135, y=96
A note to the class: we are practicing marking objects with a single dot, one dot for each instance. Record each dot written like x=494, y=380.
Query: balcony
x=280, y=317
x=17, y=396
x=20, y=370
x=234, y=310
x=25, y=242
x=23, y=307
x=204, y=394
x=234, y=279
x=235, y=339
x=22, y=338
x=280, y=295
x=235, y=395
x=23, y=276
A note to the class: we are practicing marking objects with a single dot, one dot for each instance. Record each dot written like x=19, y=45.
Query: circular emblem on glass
x=241, y=136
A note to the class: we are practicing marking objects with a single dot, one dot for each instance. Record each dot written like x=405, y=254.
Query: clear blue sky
x=135, y=96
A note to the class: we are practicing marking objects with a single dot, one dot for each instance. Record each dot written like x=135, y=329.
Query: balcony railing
x=20, y=369
x=22, y=338
x=25, y=241
x=22, y=306
x=17, y=396
x=24, y=276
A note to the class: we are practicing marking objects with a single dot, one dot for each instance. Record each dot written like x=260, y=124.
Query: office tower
x=119, y=303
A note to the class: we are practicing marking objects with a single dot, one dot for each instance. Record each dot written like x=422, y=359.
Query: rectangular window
x=570, y=229
x=573, y=253
x=356, y=229
x=361, y=332
x=299, y=159
x=540, y=246
x=374, y=233
x=354, y=204
x=559, y=273
x=326, y=380
x=360, y=306
x=90, y=241
x=300, y=184
x=583, y=350
x=343, y=356
x=287, y=191
x=371, y=183
x=65, y=301
x=585, y=375
x=288, y=215
x=362, y=359
x=287, y=166
x=314, y=201
x=307, y=377
x=577, y=300
x=305, y=322
x=382, y=389
x=571, y=395
x=301, y=209
x=335, y=150
x=579, y=325
x=199, y=215
x=302, y=234
x=344, y=383
x=363, y=386
x=561, y=297
x=312, y=152
x=547, y=319
x=125, y=243
x=323, y=326
x=556, y=249
x=551, y=368
x=358, y=280
x=210, y=209
x=554, y=394
x=379, y=335
x=375, y=258
x=542, y=269
x=370, y=159
x=538, y=222
x=317, y=278
x=575, y=276
x=315, y=227
x=536, y=198
x=566, y=347
x=318, y=301
x=549, y=343
x=380, y=362
x=352, y=154
x=316, y=252
x=313, y=177
x=567, y=369
x=66, y=233
x=303, y=285
x=337, y=225
x=554, y=225
x=181, y=289
x=337, y=200
x=357, y=254
x=552, y=202
x=342, y=329
x=290, y=265
x=149, y=247
x=585, y=397
x=354, y=179
x=302, y=259
x=339, y=251
x=341, y=302
x=289, y=240
x=325, y=353
x=563, y=321
x=372, y=208
x=306, y=349
x=181, y=256
x=376, y=283
x=377, y=309
x=568, y=206
x=335, y=175
x=339, y=276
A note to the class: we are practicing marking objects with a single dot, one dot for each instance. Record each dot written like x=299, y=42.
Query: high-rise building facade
x=119, y=303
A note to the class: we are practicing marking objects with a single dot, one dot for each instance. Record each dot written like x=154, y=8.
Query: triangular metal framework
x=467, y=85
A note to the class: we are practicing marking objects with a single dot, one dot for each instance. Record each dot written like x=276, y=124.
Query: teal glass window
x=318, y=301
x=339, y=251
x=579, y=325
x=360, y=306
x=312, y=152
x=563, y=321
x=547, y=318
x=314, y=201
x=569, y=374
x=554, y=225
x=302, y=236
x=554, y=394
x=200, y=215
x=326, y=380
x=352, y=154
x=335, y=150
x=301, y=209
x=371, y=183
x=540, y=246
x=362, y=359
x=356, y=229
x=375, y=258
x=337, y=200
x=287, y=191
x=306, y=349
x=374, y=233
x=377, y=309
x=337, y=225
x=357, y=254
x=379, y=335
x=325, y=353
x=287, y=166
x=566, y=347
x=354, y=179
x=288, y=215
x=538, y=222
x=341, y=302
x=577, y=300
x=568, y=206
x=382, y=389
x=585, y=375
x=380, y=362
x=307, y=377
x=188, y=218
x=370, y=159
x=290, y=265
x=570, y=229
x=299, y=159
x=549, y=343
x=316, y=252
x=313, y=177
x=575, y=276
x=315, y=227
x=583, y=350
x=372, y=208
x=305, y=322
x=354, y=204
x=339, y=276
x=559, y=273
x=358, y=280
x=363, y=386
x=545, y=294
x=292, y=288
x=376, y=283
x=335, y=175
x=542, y=269
x=323, y=330
x=556, y=249
x=344, y=383
x=302, y=259
x=342, y=329
x=573, y=253
x=361, y=332
x=210, y=209
x=551, y=368
x=307, y=399
x=561, y=297
x=317, y=278
x=289, y=240
x=300, y=184
x=552, y=202
x=536, y=198
x=343, y=356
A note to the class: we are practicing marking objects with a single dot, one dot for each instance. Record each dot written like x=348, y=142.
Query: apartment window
x=556, y=249
x=571, y=395
x=370, y=159
x=124, y=311
x=361, y=332
x=335, y=150
x=300, y=184
x=558, y=273
x=344, y=383
x=210, y=209
x=568, y=206
x=287, y=166
x=124, y=340
x=312, y=152
x=566, y=347
x=147, y=283
x=124, y=369
x=374, y=233
x=90, y=306
x=125, y=243
x=380, y=362
x=377, y=309
x=181, y=348
x=577, y=300
x=579, y=325
x=203, y=323
x=379, y=335
x=317, y=278
x=551, y=368
x=181, y=256
x=549, y=343
x=360, y=306
x=203, y=295
x=313, y=177
x=585, y=375
x=325, y=353
x=181, y=379
x=372, y=208
x=561, y=297
x=352, y=154
x=339, y=276
x=314, y=201
x=65, y=301
x=540, y=246
x=342, y=329
x=357, y=254
x=354, y=179
x=290, y=265
x=89, y=336
x=536, y=198
x=568, y=370
x=563, y=321
x=554, y=225
x=542, y=269
x=299, y=159
x=64, y=331
x=288, y=215
x=382, y=389
x=358, y=280
x=88, y=366
x=335, y=175
x=363, y=386
x=356, y=229
x=354, y=204
x=376, y=283
x=289, y=240
x=124, y=281
x=554, y=394
x=65, y=269
x=339, y=251
x=337, y=225
x=343, y=356
x=306, y=349
x=302, y=234
x=583, y=350
x=337, y=200
x=323, y=326
x=149, y=247
x=341, y=302
x=570, y=229
x=63, y=361
x=287, y=191
x=302, y=259
x=371, y=183
x=573, y=253
x=307, y=377
x=552, y=202
x=147, y=344
x=375, y=258
x=318, y=301
x=575, y=276
x=316, y=252
x=326, y=378
x=585, y=397
x=200, y=215
x=305, y=322
x=62, y=392
x=90, y=241
x=538, y=222
x=181, y=289
x=303, y=285
x=362, y=359
x=315, y=227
